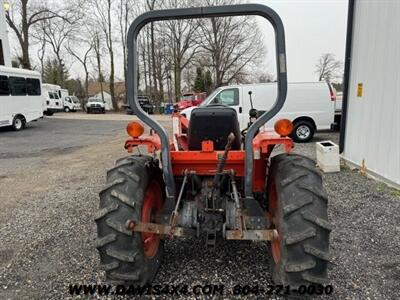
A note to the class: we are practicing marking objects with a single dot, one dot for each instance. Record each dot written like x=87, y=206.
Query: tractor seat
x=215, y=124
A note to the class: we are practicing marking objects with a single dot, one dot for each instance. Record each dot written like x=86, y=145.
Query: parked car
x=52, y=97
x=145, y=103
x=309, y=105
x=95, y=105
x=21, y=99
x=190, y=99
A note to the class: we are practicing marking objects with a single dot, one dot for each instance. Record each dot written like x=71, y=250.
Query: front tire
x=134, y=192
x=18, y=123
x=66, y=109
x=303, y=131
x=297, y=205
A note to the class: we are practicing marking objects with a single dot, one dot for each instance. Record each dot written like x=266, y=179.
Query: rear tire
x=124, y=255
x=88, y=111
x=18, y=123
x=303, y=131
x=298, y=206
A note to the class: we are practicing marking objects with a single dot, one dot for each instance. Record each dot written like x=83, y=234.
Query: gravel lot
x=47, y=231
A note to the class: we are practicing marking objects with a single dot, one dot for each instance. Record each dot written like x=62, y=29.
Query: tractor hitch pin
x=234, y=189
x=222, y=160
x=174, y=215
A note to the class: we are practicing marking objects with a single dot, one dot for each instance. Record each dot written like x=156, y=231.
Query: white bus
x=21, y=99
x=53, y=102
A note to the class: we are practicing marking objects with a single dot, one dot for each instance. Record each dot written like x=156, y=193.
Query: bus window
x=4, y=88
x=33, y=87
x=17, y=86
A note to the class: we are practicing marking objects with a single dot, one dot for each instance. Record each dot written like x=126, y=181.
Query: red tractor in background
x=190, y=99
x=213, y=181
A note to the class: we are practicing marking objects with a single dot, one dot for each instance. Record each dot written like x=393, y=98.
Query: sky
x=312, y=27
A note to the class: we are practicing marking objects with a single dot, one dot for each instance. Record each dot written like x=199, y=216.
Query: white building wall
x=373, y=120
x=4, y=36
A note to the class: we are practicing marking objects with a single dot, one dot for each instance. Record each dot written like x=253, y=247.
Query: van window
x=229, y=97
x=56, y=96
x=33, y=87
x=4, y=88
x=17, y=86
x=51, y=95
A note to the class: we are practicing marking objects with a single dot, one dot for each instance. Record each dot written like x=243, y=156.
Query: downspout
x=346, y=78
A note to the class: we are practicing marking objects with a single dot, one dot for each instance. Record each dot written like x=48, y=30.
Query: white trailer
x=21, y=99
x=52, y=100
x=309, y=105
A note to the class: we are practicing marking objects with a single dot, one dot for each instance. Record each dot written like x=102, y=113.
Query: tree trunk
x=149, y=67
x=25, y=61
x=177, y=79
x=112, y=91
x=153, y=62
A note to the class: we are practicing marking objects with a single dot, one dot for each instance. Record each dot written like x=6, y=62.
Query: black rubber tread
x=298, y=124
x=22, y=119
x=303, y=220
x=121, y=251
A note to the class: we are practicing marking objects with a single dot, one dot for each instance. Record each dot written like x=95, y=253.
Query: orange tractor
x=213, y=181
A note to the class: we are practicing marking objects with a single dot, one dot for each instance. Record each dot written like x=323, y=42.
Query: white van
x=309, y=105
x=53, y=102
x=21, y=98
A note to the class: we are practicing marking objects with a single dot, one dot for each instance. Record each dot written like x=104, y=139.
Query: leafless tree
x=151, y=5
x=328, y=67
x=81, y=48
x=185, y=41
x=102, y=13
x=22, y=16
x=127, y=9
x=57, y=32
x=232, y=44
x=41, y=53
x=97, y=47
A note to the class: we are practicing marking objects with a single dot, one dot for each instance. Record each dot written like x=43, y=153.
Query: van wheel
x=18, y=123
x=303, y=131
x=88, y=111
x=66, y=109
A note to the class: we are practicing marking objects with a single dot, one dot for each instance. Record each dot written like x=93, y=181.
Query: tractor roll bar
x=206, y=12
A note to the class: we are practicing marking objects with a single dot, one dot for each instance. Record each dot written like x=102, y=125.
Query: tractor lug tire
x=301, y=217
x=121, y=250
